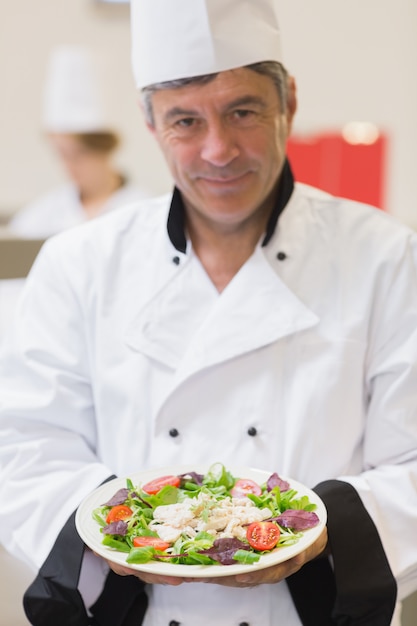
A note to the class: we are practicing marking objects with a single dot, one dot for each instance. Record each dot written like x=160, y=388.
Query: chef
x=80, y=130
x=245, y=319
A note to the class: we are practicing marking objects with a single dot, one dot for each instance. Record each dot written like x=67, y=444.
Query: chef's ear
x=150, y=126
x=291, y=101
x=147, y=114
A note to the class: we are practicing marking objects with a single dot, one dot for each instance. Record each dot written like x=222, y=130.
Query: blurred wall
x=353, y=61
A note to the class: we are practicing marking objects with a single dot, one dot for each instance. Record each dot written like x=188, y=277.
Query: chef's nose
x=219, y=144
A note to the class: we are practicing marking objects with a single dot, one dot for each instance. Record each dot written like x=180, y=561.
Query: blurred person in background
x=95, y=186
x=80, y=130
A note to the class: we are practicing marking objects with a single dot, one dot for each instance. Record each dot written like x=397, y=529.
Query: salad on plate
x=214, y=518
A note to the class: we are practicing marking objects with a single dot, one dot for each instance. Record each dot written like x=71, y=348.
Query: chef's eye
x=185, y=122
x=243, y=117
x=243, y=114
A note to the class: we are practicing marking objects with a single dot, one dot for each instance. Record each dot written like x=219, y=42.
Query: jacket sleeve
x=358, y=586
x=372, y=514
x=47, y=421
x=54, y=598
x=387, y=485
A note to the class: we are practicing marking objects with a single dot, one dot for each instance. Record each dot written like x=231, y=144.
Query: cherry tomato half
x=118, y=512
x=156, y=485
x=243, y=486
x=262, y=535
x=155, y=542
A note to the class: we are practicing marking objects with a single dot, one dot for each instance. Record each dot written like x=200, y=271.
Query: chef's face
x=82, y=164
x=224, y=142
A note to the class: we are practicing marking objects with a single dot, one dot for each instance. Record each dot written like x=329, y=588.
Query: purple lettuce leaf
x=275, y=481
x=119, y=498
x=297, y=519
x=115, y=528
x=224, y=549
x=191, y=477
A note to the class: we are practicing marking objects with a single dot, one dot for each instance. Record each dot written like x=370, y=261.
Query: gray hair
x=276, y=71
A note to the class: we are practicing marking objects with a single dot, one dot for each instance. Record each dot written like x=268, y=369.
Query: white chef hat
x=74, y=95
x=174, y=39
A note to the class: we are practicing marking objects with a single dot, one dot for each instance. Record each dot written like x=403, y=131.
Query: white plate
x=89, y=529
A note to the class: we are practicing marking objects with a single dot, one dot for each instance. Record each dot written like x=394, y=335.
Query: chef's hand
x=268, y=575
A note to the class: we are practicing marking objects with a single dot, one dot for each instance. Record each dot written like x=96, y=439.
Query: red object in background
x=350, y=170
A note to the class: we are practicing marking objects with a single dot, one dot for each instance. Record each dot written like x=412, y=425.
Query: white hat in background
x=174, y=39
x=74, y=96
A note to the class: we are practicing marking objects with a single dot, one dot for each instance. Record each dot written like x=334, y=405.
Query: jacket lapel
x=254, y=310
x=188, y=326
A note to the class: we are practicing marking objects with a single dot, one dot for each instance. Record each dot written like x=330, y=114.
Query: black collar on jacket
x=176, y=216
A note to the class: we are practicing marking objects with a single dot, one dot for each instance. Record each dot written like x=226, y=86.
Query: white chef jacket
x=313, y=343
x=48, y=215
